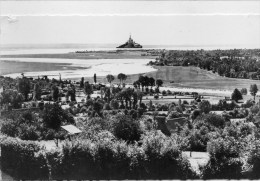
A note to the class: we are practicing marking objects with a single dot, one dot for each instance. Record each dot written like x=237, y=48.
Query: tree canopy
x=236, y=95
x=253, y=90
x=110, y=78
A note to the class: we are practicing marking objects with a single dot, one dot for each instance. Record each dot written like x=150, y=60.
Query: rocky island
x=130, y=44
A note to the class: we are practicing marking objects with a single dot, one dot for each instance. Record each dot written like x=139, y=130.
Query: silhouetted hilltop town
x=130, y=44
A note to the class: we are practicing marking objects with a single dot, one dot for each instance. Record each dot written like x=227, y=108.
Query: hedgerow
x=22, y=159
x=107, y=158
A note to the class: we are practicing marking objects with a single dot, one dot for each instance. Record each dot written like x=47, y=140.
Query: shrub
x=105, y=158
x=178, y=109
x=255, y=109
x=231, y=131
x=195, y=114
x=9, y=127
x=133, y=113
x=106, y=107
x=205, y=106
x=224, y=160
x=169, y=92
x=185, y=102
x=54, y=116
x=23, y=159
x=173, y=114
x=127, y=128
x=112, y=160
x=248, y=104
x=164, y=93
x=236, y=95
x=114, y=104
x=196, y=139
x=28, y=132
x=212, y=119
x=223, y=105
x=244, y=91
x=254, y=160
x=163, y=158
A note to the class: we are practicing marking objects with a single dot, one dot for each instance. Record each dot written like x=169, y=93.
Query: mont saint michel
x=130, y=44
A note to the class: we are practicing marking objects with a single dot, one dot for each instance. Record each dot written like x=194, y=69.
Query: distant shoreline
x=106, y=54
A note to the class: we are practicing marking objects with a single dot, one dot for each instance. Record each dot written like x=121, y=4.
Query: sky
x=189, y=23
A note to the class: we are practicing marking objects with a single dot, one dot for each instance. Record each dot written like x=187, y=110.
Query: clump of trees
x=34, y=126
x=236, y=63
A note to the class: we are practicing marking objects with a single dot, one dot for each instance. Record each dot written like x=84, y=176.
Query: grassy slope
x=197, y=78
x=191, y=77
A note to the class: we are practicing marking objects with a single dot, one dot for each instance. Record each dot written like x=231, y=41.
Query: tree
x=253, y=90
x=95, y=78
x=141, y=81
x=97, y=106
x=24, y=87
x=82, y=82
x=236, y=95
x=136, y=84
x=224, y=162
x=151, y=82
x=37, y=92
x=54, y=116
x=72, y=92
x=55, y=93
x=205, y=106
x=13, y=97
x=139, y=96
x=243, y=91
x=110, y=78
x=159, y=83
x=114, y=104
x=122, y=77
x=87, y=88
x=127, y=128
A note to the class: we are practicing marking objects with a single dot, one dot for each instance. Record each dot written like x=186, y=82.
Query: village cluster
x=136, y=130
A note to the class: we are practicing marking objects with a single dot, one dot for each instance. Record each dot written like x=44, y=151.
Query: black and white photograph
x=129, y=90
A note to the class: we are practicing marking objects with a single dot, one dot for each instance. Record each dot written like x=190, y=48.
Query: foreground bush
x=23, y=159
x=224, y=160
x=163, y=158
x=254, y=160
x=158, y=158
